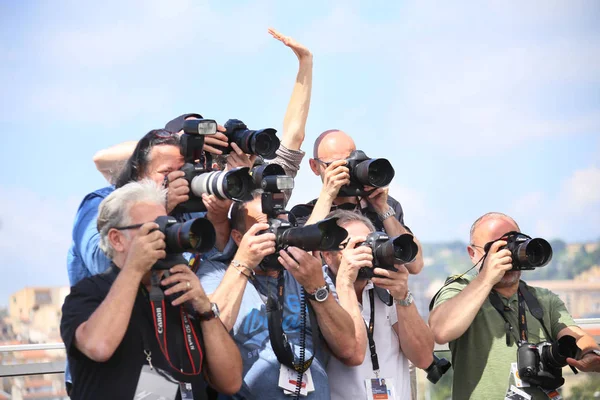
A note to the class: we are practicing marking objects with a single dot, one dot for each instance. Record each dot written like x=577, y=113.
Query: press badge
x=516, y=394
x=186, y=391
x=380, y=389
x=288, y=380
x=514, y=375
x=154, y=385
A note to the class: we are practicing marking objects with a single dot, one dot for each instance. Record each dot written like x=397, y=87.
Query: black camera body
x=437, y=369
x=388, y=251
x=194, y=236
x=365, y=171
x=234, y=184
x=527, y=253
x=262, y=142
x=541, y=364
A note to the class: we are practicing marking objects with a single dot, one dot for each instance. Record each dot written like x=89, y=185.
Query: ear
x=471, y=252
x=116, y=240
x=236, y=236
x=314, y=166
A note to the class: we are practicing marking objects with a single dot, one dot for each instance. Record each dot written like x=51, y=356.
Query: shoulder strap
x=534, y=307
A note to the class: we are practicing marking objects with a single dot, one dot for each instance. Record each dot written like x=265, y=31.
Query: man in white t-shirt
x=398, y=332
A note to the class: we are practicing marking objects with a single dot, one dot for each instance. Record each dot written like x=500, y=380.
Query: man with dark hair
x=243, y=291
x=396, y=332
x=485, y=317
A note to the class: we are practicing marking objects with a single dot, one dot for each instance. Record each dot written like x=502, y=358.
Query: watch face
x=321, y=294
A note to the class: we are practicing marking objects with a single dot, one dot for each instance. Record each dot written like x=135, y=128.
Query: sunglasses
x=122, y=228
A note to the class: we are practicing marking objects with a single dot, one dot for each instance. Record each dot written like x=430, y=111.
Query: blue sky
x=479, y=107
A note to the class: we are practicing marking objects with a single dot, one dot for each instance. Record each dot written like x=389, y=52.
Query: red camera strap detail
x=192, y=344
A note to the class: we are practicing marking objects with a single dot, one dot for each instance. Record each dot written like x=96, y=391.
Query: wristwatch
x=408, y=300
x=213, y=313
x=595, y=351
x=320, y=294
x=389, y=213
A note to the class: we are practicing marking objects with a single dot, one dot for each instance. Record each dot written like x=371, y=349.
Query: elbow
x=100, y=352
x=232, y=386
x=351, y=356
x=98, y=159
x=440, y=336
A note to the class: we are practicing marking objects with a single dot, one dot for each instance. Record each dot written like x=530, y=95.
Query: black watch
x=213, y=313
x=320, y=294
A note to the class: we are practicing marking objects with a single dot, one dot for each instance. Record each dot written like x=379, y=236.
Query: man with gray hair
x=392, y=334
x=484, y=319
x=118, y=342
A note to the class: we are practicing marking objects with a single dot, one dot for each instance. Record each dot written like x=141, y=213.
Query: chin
x=509, y=279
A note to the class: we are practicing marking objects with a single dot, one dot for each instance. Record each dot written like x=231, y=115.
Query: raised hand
x=300, y=50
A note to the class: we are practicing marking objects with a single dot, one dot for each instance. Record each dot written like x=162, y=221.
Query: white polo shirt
x=349, y=382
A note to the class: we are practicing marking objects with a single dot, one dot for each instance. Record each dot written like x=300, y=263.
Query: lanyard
x=524, y=296
x=370, y=330
x=159, y=317
x=279, y=341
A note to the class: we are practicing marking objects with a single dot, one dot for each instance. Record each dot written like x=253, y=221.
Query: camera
x=526, y=253
x=388, y=251
x=324, y=235
x=262, y=142
x=194, y=236
x=541, y=364
x=234, y=184
x=365, y=171
x=437, y=369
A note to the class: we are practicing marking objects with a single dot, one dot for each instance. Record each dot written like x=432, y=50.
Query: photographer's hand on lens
x=254, y=247
x=218, y=139
x=177, y=190
x=395, y=282
x=300, y=50
x=378, y=199
x=588, y=363
x=496, y=264
x=353, y=259
x=237, y=158
x=336, y=176
x=217, y=210
x=187, y=283
x=305, y=268
x=147, y=247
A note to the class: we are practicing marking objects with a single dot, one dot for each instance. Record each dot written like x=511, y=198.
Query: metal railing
x=57, y=367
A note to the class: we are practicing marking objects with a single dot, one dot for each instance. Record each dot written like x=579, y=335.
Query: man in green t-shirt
x=476, y=332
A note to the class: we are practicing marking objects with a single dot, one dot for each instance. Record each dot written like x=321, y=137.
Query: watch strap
x=208, y=315
x=389, y=213
x=407, y=301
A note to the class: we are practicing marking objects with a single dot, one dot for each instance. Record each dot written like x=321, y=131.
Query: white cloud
x=582, y=190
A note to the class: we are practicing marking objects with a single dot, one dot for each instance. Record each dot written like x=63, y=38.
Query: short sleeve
x=449, y=292
x=79, y=305
x=211, y=274
x=290, y=161
x=560, y=317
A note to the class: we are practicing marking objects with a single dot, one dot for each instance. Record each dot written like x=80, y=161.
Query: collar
x=222, y=256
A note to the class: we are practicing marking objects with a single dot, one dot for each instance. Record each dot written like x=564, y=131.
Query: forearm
x=223, y=360
x=337, y=327
x=415, y=337
x=321, y=209
x=349, y=302
x=109, y=161
x=228, y=296
x=393, y=227
x=223, y=231
x=92, y=337
x=294, y=122
x=452, y=318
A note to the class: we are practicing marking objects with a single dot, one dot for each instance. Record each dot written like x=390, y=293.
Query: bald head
x=491, y=226
x=333, y=145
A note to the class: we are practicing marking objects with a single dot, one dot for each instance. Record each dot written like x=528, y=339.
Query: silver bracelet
x=389, y=213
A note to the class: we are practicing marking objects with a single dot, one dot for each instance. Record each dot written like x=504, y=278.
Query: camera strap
x=279, y=341
x=370, y=330
x=192, y=344
x=524, y=297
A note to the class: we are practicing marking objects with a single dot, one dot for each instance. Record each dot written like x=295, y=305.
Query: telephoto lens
x=194, y=236
x=235, y=184
x=262, y=142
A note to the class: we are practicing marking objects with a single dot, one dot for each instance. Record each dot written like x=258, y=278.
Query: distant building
x=582, y=298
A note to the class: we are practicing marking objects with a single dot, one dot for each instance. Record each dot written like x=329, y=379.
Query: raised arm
x=450, y=319
x=109, y=161
x=294, y=122
x=335, y=323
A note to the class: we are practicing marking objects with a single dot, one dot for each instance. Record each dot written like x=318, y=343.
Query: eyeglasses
x=325, y=163
x=478, y=247
x=122, y=228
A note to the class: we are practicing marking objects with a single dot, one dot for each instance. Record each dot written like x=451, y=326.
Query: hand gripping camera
x=388, y=251
x=541, y=364
x=262, y=142
x=324, y=235
x=526, y=253
x=234, y=184
x=365, y=171
x=194, y=236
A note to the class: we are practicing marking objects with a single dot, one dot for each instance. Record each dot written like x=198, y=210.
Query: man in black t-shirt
x=330, y=151
x=111, y=329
